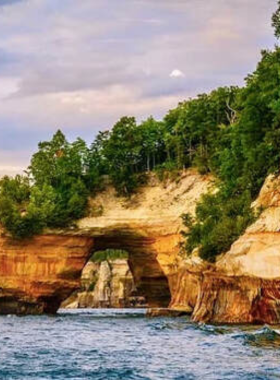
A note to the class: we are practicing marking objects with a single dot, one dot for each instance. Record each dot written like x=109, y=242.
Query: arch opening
x=131, y=277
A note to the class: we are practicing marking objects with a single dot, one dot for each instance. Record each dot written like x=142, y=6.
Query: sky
x=81, y=65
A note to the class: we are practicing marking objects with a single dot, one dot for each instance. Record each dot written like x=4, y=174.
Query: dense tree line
x=232, y=133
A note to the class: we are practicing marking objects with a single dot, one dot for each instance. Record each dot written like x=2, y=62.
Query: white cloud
x=177, y=74
x=8, y=86
x=100, y=107
x=10, y=170
x=12, y=162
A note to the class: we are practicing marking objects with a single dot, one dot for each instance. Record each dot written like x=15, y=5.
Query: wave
x=176, y=325
x=266, y=337
x=211, y=329
x=103, y=313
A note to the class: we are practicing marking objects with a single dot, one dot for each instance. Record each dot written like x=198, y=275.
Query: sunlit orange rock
x=36, y=275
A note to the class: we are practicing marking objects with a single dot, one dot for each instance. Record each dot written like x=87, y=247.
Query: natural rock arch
x=36, y=275
x=149, y=277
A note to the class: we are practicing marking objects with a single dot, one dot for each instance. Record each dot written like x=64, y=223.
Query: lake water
x=121, y=344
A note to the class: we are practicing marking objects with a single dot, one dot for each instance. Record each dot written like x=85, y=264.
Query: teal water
x=123, y=344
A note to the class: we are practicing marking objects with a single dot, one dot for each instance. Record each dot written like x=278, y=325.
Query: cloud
x=12, y=163
x=9, y=2
x=177, y=74
x=10, y=170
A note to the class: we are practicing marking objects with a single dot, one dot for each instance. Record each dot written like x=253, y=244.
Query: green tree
x=56, y=194
x=122, y=152
x=14, y=198
x=97, y=164
x=276, y=21
x=152, y=143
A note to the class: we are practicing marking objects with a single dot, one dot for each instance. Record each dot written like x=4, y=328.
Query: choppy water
x=106, y=344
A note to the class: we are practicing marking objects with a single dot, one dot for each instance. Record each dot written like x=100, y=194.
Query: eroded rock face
x=37, y=275
x=245, y=285
x=228, y=299
x=122, y=284
x=148, y=226
x=187, y=283
x=257, y=252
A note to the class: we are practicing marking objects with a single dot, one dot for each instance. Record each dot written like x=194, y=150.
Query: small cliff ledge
x=248, y=276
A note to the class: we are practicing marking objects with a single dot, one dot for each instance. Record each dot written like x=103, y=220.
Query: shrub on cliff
x=109, y=254
x=218, y=223
x=14, y=197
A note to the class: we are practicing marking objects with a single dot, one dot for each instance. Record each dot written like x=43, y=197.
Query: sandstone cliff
x=244, y=286
x=148, y=226
x=37, y=275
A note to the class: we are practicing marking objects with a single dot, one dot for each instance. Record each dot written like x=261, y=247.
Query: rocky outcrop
x=109, y=284
x=37, y=275
x=102, y=294
x=123, y=292
x=238, y=299
x=244, y=287
x=149, y=227
x=257, y=252
x=186, y=284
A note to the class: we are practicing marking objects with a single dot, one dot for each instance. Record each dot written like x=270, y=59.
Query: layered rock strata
x=238, y=300
x=244, y=285
x=37, y=275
